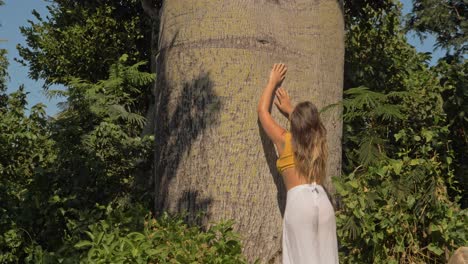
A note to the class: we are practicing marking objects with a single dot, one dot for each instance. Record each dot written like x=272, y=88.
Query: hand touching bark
x=283, y=102
x=278, y=73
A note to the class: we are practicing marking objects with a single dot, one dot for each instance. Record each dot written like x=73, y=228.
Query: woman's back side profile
x=309, y=227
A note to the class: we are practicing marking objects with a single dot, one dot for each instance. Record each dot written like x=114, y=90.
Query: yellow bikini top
x=286, y=160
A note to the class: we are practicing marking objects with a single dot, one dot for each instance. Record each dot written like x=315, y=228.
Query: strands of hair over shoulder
x=309, y=139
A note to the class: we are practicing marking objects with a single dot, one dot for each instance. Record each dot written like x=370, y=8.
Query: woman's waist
x=292, y=178
x=308, y=186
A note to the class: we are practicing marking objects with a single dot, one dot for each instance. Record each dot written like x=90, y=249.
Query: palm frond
x=363, y=103
x=388, y=112
x=118, y=111
x=370, y=149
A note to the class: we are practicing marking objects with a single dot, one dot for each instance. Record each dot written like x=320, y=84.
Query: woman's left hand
x=283, y=102
x=278, y=73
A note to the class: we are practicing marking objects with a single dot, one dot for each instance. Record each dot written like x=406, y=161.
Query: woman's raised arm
x=273, y=130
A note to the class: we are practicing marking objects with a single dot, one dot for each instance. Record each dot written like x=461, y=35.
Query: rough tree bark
x=214, y=59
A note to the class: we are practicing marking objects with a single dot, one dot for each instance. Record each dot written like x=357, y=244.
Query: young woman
x=309, y=228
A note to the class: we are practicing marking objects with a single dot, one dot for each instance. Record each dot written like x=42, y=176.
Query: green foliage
x=82, y=39
x=25, y=149
x=107, y=126
x=370, y=112
x=164, y=240
x=398, y=212
x=453, y=75
x=396, y=209
x=377, y=53
x=398, y=156
x=125, y=235
x=447, y=19
x=3, y=72
x=54, y=172
x=358, y=11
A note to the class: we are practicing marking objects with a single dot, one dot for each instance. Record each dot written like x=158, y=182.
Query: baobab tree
x=213, y=61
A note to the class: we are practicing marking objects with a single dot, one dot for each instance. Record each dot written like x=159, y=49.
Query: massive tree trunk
x=214, y=61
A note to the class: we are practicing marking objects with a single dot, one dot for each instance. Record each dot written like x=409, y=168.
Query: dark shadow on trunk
x=179, y=121
x=194, y=209
x=271, y=157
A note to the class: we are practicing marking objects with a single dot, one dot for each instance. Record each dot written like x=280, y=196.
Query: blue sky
x=15, y=13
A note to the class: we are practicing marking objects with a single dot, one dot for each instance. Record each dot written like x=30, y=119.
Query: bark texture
x=214, y=60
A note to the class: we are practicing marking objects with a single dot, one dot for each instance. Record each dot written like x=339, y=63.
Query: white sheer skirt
x=309, y=227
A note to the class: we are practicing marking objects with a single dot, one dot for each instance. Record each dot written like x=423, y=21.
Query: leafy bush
x=398, y=212
x=395, y=205
x=398, y=156
x=25, y=148
x=164, y=240
x=55, y=170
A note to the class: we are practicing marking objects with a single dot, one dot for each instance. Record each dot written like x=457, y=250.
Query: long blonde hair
x=309, y=140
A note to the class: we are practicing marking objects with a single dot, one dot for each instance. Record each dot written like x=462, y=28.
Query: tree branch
x=453, y=6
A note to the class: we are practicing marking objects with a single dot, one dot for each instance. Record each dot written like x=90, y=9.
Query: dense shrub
x=399, y=194
x=163, y=240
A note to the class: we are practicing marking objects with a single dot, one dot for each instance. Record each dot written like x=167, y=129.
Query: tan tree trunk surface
x=214, y=61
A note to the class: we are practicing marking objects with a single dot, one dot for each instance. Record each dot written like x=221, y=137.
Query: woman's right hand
x=277, y=74
x=283, y=102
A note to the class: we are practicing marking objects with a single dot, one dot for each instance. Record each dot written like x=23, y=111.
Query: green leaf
x=354, y=183
x=396, y=165
x=427, y=134
x=400, y=135
x=410, y=201
x=83, y=243
x=435, y=249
